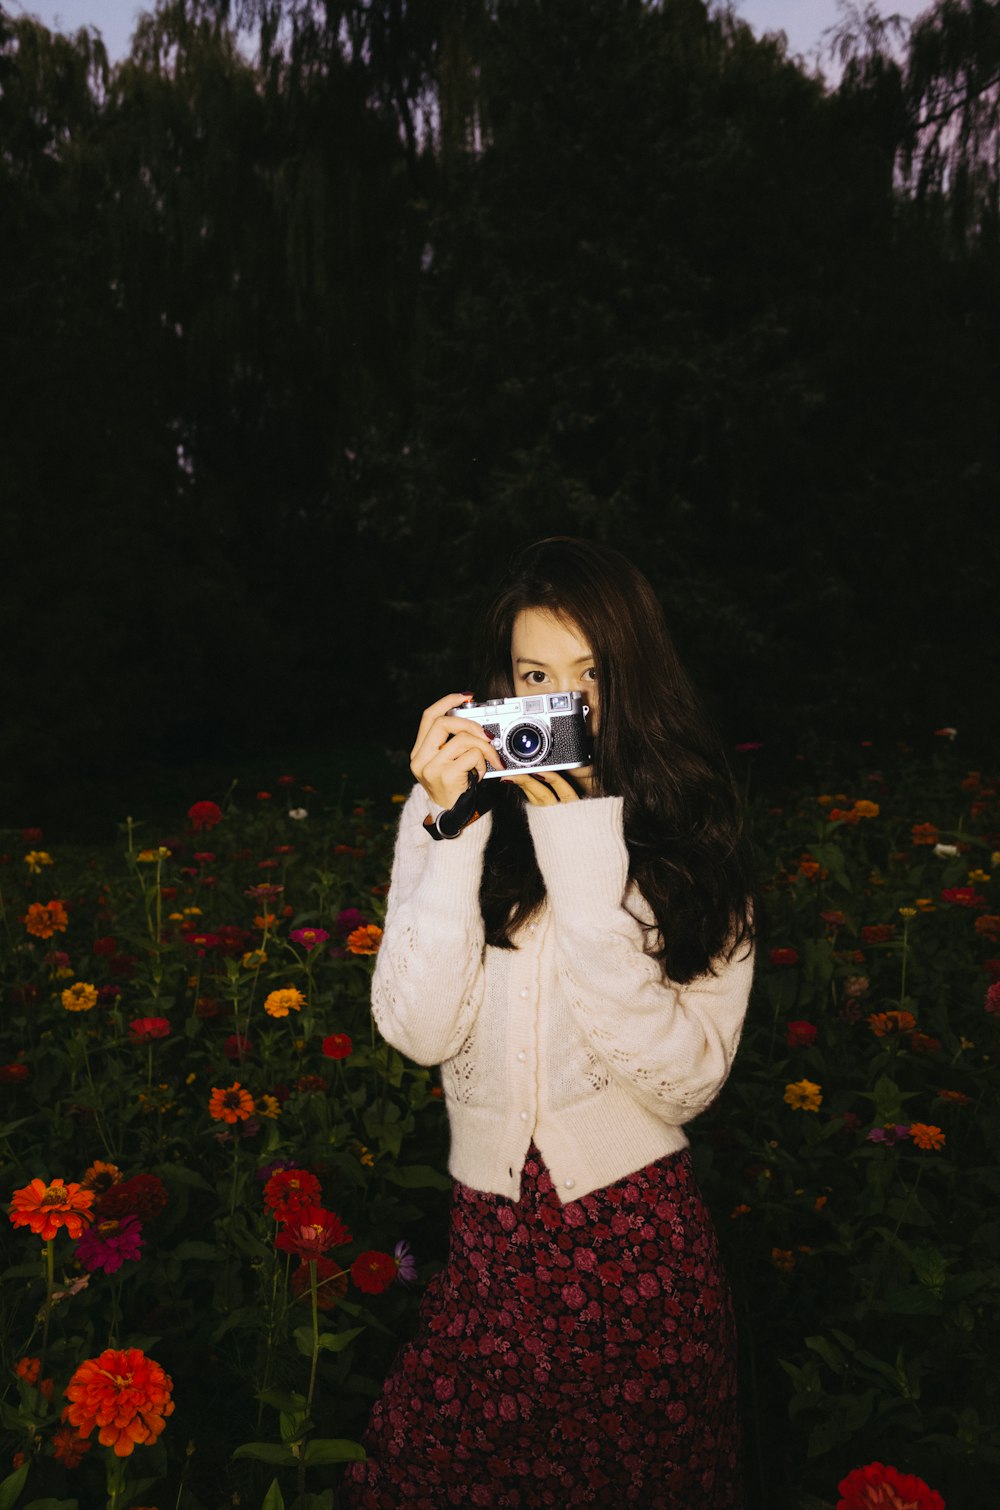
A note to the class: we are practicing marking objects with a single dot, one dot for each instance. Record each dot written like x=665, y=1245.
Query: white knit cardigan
x=574, y=1038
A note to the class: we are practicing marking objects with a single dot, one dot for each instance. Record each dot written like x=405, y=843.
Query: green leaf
x=281, y=1399
x=184, y=1176
x=829, y=1354
x=192, y=1249
x=51, y=1504
x=10, y=1489
x=333, y=1450
x=417, y=1177
x=273, y=1499
x=329, y=1342
x=267, y=1452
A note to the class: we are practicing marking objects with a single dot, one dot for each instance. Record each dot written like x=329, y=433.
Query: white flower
x=947, y=733
x=946, y=851
x=300, y=812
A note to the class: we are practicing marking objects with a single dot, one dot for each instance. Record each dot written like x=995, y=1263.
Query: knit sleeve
x=428, y=982
x=670, y=1045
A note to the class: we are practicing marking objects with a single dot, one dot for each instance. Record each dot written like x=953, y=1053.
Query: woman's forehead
x=540, y=635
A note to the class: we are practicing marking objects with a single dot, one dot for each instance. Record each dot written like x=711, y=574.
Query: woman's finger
x=443, y=705
x=443, y=732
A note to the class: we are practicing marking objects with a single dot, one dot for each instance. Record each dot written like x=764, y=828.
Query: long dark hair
x=656, y=747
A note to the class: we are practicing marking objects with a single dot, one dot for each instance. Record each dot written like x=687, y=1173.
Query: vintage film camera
x=543, y=732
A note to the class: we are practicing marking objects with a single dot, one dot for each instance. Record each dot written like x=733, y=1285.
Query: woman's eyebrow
x=527, y=660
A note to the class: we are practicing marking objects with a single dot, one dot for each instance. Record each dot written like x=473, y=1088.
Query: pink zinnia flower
x=108, y=1243
x=309, y=937
x=992, y=1002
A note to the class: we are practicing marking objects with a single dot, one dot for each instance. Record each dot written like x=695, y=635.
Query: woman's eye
x=532, y=674
x=591, y=672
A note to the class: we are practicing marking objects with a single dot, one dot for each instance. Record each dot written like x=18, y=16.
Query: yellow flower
x=268, y=1106
x=979, y=876
x=253, y=959
x=36, y=858
x=150, y=856
x=824, y=801
x=365, y=1155
x=79, y=998
x=175, y=917
x=398, y=797
x=995, y=857
x=907, y=912
x=192, y=912
x=966, y=1043
x=280, y=1003
x=803, y=1096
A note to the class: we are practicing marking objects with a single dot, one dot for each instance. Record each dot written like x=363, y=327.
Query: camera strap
x=470, y=806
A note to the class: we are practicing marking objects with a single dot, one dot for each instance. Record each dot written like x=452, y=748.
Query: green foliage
x=417, y=283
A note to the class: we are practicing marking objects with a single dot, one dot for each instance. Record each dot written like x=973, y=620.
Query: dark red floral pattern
x=567, y=1355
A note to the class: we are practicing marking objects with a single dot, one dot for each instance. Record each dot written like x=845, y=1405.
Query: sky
x=802, y=21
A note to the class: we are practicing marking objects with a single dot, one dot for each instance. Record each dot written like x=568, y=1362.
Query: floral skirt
x=567, y=1355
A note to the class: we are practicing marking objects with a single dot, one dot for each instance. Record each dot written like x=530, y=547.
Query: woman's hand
x=550, y=787
x=447, y=748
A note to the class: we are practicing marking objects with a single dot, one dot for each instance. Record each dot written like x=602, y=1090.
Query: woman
x=578, y=961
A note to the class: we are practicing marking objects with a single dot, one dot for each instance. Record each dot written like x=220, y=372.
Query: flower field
x=225, y=1192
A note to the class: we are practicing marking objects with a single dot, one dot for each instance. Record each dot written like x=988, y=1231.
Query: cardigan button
x=569, y=1183
x=524, y=1116
x=524, y=991
x=522, y=1056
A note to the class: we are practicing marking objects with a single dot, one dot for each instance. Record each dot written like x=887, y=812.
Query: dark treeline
x=297, y=350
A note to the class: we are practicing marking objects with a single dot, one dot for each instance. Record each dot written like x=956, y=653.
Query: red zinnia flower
x=46, y=1208
x=145, y=1029
x=331, y=1283
x=879, y=1486
x=289, y=1188
x=144, y=1196
x=800, y=1034
x=877, y=933
x=204, y=815
x=68, y=1448
x=337, y=1046
x=10, y=1074
x=373, y=1272
x=963, y=896
x=310, y=1231
x=124, y=1394
x=784, y=957
x=105, y=946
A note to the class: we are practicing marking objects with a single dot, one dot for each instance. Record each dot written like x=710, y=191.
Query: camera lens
x=527, y=743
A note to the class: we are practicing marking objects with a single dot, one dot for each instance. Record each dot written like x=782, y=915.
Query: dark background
x=295, y=353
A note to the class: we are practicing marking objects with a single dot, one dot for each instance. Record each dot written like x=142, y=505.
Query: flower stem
x=115, y=1480
x=50, y=1267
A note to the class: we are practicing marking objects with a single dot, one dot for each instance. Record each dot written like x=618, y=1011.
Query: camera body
x=544, y=731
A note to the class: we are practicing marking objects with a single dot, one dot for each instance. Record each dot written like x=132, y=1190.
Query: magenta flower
x=992, y=1002
x=309, y=937
x=406, y=1264
x=889, y=1134
x=350, y=919
x=106, y=1245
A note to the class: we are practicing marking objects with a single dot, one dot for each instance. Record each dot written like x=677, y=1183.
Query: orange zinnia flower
x=46, y=1208
x=882, y=1023
x=43, y=919
x=233, y=1105
x=924, y=833
x=926, y=1135
x=124, y=1394
x=364, y=940
x=280, y=1003
x=100, y=1176
x=866, y=809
